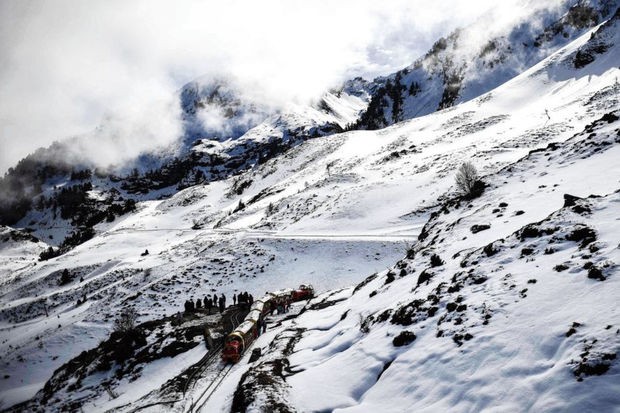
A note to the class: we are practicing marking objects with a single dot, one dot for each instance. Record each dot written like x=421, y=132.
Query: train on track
x=242, y=337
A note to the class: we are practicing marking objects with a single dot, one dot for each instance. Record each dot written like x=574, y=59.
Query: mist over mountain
x=474, y=60
x=67, y=67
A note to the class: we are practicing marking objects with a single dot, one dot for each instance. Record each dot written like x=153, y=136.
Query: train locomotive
x=242, y=337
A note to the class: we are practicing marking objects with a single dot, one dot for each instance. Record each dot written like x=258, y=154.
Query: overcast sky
x=64, y=65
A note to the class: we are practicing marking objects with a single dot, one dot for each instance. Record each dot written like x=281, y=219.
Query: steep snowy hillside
x=16, y=246
x=505, y=301
x=478, y=58
x=59, y=195
x=491, y=311
x=225, y=128
x=508, y=302
x=515, y=289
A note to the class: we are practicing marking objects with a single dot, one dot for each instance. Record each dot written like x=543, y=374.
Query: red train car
x=304, y=292
x=241, y=338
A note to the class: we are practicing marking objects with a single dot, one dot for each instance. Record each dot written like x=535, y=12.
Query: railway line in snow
x=210, y=367
x=208, y=391
x=206, y=361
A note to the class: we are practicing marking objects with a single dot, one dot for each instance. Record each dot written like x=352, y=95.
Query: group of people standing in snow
x=209, y=302
x=217, y=302
x=243, y=299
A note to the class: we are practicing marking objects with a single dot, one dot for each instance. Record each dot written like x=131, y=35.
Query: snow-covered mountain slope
x=474, y=60
x=335, y=209
x=221, y=110
x=59, y=194
x=225, y=128
x=517, y=311
x=526, y=321
x=361, y=180
x=16, y=246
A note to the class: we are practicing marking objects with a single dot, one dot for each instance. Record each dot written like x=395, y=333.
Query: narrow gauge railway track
x=206, y=394
x=200, y=366
x=237, y=343
x=210, y=389
x=215, y=376
x=208, y=358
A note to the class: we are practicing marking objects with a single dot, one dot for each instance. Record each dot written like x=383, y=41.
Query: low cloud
x=68, y=65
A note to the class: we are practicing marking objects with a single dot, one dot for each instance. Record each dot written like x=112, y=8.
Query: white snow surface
x=336, y=209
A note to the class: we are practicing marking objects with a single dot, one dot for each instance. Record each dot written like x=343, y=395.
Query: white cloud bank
x=64, y=65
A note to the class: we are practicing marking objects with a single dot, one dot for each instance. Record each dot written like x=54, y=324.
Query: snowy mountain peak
x=476, y=59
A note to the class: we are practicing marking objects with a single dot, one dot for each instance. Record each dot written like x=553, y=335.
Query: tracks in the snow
x=206, y=394
x=207, y=361
x=208, y=368
x=200, y=367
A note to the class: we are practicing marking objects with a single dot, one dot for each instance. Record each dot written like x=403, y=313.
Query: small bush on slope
x=467, y=181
